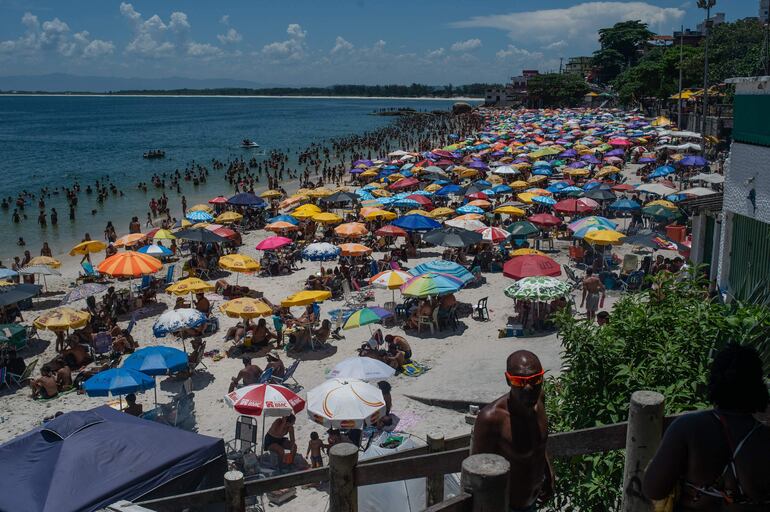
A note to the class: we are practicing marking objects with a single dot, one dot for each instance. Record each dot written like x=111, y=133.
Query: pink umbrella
x=619, y=142
x=272, y=243
x=221, y=230
x=267, y=399
x=545, y=220
x=218, y=200
x=404, y=183
x=493, y=234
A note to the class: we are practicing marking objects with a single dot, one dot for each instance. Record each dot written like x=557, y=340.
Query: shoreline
x=104, y=95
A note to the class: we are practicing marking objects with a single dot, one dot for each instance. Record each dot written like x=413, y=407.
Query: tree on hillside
x=556, y=90
x=620, y=45
x=735, y=49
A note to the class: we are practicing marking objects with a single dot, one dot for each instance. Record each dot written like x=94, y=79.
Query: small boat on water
x=248, y=143
x=154, y=153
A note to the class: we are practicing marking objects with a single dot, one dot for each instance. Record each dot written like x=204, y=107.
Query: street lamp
x=707, y=5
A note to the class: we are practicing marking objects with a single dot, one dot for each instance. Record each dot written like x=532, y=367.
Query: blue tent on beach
x=86, y=460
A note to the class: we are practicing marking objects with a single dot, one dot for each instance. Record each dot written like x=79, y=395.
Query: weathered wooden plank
x=413, y=467
x=461, y=503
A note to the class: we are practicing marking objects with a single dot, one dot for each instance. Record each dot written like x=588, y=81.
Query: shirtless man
x=515, y=427
x=593, y=289
x=64, y=378
x=45, y=386
x=276, y=440
x=401, y=344
x=249, y=375
x=274, y=361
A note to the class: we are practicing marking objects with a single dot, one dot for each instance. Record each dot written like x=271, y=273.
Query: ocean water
x=51, y=141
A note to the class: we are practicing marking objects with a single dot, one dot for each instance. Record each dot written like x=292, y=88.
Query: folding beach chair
x=19, y=380
x=266, y=376
x=102, y=344
x=89, y=274
x=245, y=439
x=169, y=275
x=288, y=375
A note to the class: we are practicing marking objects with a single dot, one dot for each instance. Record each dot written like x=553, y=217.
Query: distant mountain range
x=64, y=82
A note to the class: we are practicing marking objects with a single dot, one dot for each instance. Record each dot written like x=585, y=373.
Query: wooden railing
x=639, y=436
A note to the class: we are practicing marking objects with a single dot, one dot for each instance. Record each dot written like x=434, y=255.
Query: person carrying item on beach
x=515, y=426
x=132, y=408
x=250, y=374
x=276, y=439
x=718, y=459
x=314, y=449
x=593, y=294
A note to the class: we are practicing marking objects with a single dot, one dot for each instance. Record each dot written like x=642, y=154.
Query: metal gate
x=750, y=255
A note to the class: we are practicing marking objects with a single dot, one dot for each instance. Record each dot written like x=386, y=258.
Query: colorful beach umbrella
x=390, y=279
x=366, y=316
x=62, y=319
x=416, y=223
x=321, y=251
x=129, y=264
x=156, y=251
x=240, y=263
x=157, y=360
x=117, y=381
x=88, y=247
x=273, y=243
x=189, y=285
x=604, y=237
x=265, y=400
x=305, y=298
x=443, y=267
x=351, y=230
x=538, y=288
x=354, y=250
x=361, y=368
x=431, y=284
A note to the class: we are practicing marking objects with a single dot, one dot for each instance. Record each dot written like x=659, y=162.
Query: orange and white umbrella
x=354, y=250
x=129, y=240
x=339, y=403
x=129, y=264
x=390, y=279
x=351, y=230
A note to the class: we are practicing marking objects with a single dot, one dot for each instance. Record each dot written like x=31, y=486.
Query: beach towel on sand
x=414, y=369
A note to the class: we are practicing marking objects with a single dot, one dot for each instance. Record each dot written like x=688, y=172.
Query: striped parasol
x=129, y=264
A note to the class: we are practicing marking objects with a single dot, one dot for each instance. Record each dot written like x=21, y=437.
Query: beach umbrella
x=593, y=220
x=177, y=319
x=431, y=284
x=246, y=199
x=162, y=234
x=466, y=223
x=588, y=228
x=200, y=208
x=280, y=227
x=271, y=194
x=218, y=200
x=321, y=251
x=265, y=400
x=201, y=235
x=117, y=381
x=129, y=240
x=240, y=263
x=351, y=230
x=129, y=264
x=83, y=291
x=662, y=202
x=506, y=170
x=600, y=195
x=651, y=239
x=544, y=200
x=229, y=217
x=451, y=237
x=604, y=237
x=306, y=211
x=7, y=273
x=345, y=403
x=305, y=298
x=693, y=161
x=189, y=285
x=62, y=319
x=88, y=247
x=623, y=187
x=522, y=229
x=245, y=307
x=510, y=210
x=284, y=218
x=416, y=223
x=573, y=206
x=272, y=243
x=451, y=189
x=526, y=250
x=157, y=360
x=319, y=192
x=531, y=265
x=660, y=212
x=340, y=198
x=470, y=209
x=443, y=267
x=326, y=218
x=391, y=230
x=366, y=316
x=538, y=288
x=545, y=220
x=390, y=279
x=199, y=216
x=625, y=205
x=40, y=270
x=493, y=234
x=13, y=293
x=354, y=250
x=361, y=368
x=46, y=261
x=157, y=251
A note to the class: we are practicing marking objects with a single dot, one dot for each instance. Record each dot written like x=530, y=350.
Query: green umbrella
x=538, y=288
x=661, y=212
x=522, y=229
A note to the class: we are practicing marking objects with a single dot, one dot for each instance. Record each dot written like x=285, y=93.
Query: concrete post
x=485, y=477
x=343, y=495
x=645, y=428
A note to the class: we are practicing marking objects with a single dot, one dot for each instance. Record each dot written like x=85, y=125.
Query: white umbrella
x=339, y=403
x=361, y=368
x=41, y=270
x=469, y=224
x=506, y=169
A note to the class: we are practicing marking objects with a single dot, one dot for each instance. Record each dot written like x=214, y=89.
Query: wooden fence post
x=485, y=477
x=235, y=496
x=645, y=428
x=434, y=484
x=343, y=495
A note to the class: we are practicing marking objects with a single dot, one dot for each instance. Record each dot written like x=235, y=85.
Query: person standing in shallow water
x=515, y=426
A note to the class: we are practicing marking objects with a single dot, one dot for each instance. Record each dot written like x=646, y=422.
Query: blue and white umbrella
x=321, y=251
x=548, y=201
x=199, y=216
x=156, y=250
x=506, y=169
x=443, y=267
x=176, y=320
x=469, y=208
x=406, y=203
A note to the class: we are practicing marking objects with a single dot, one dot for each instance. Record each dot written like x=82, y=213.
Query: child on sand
x=314, y=448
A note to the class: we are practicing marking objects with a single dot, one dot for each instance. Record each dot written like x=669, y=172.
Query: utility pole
x=705, y=4
x=679, y=102
x=561, y=60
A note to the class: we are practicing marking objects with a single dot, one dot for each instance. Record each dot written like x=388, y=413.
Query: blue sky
x=305, y=42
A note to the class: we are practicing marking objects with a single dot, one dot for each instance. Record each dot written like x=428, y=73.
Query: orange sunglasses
x=520, y=381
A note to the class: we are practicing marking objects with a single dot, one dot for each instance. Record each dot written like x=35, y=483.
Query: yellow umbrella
x=326, y=218
x=129, y=240
x=45, y=261
x=280, y=226
x=271, y=194
x=351, y=230
x=526, y=251
x=319, y=192
x=576, y=172
x=354, y=250
x=189, y=285
x=536, y=178
x=418, y=212
x=239, y=263
x=468, y=173
x=441, y=211
x=229, y=217
x=519, y=184
x=62, y=319
x=395, y=177
x=129, y=264
x=200, y=208
x=305, y=298
x=604, y=237
x=664, y=203
x=378, y=192
x=245, y=307
x=526, y=197
x=163, y=234
x=368, y=174
x=88, y=247
x=305, y=211
x=380, y=214
x=510, y=210
x=433, y=187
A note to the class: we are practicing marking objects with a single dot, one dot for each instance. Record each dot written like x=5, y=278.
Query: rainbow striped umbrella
x=390, y=279
x=430, y=284
x=366, y=316
x=129, y=264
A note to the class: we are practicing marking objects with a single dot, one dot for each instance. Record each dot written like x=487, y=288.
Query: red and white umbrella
x=265, y=399
x=493, y=234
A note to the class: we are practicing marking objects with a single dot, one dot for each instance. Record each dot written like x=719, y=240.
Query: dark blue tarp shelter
x=85, y=460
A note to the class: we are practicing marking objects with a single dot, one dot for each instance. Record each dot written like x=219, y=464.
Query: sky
x=320, y=42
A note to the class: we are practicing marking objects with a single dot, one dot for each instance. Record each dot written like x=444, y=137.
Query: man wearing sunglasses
x=515, y=427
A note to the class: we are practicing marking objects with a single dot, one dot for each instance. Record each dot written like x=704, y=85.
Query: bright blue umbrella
x=156, y=250
x=5, y=273
x=443, y=267
x=157, y=360
x=502, y=189
x=693, y=161
x=469, y=208
x=548, y=201
x=416, y=222
x=663, y=170
x=117, y=381
x=283, y=218
x=582, y=232
x=199, y=216
x=542, y=171
x=450, y=190
x=625, y=205
x=406, y=203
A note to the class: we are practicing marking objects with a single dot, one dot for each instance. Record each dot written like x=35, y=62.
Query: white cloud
x=203, y=50
x=466, y=46
x=341, y=45
x=230, y=37
x=290, y=49
x=97, y=48
x=556, y=45
x=514, y=51
x=578, y=23
x=435, y=54
x=225, y=19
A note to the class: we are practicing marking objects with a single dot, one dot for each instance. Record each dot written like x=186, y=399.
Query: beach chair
x=102, y=345
x=575, y=281
x=632, y=282
x=19, y=380
x=288, y=375
x=14, y=335
x=430, y=321
x=480, y=310
x=196, y=358
x=169, y=275
x=89, y=274
x=266, y=376
x=145, y=284
x=630, y=264
x=245, y=439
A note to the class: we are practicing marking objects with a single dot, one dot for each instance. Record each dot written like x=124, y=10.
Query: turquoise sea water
x=54, y=140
